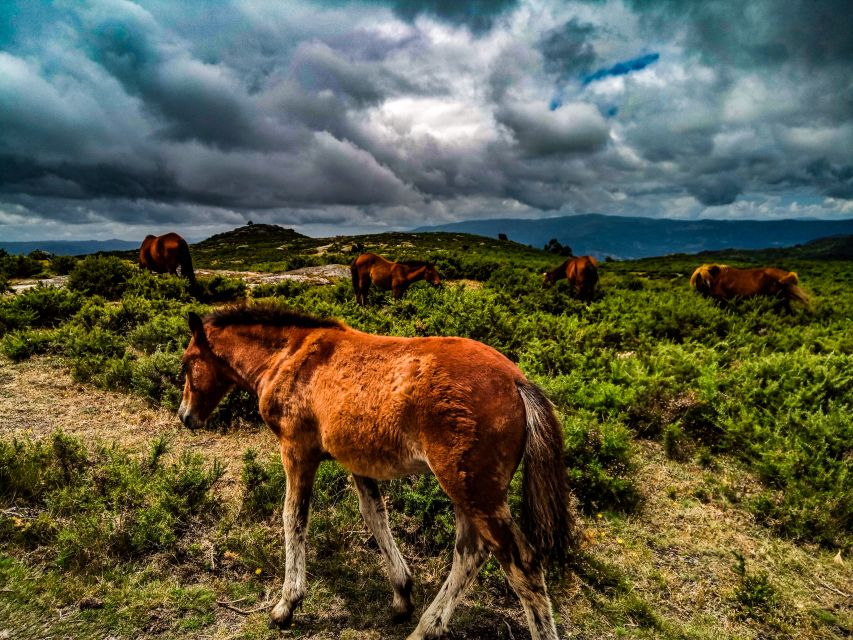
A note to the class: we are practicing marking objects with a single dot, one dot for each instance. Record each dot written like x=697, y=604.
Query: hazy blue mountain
x=633, y=237
x=69, y=247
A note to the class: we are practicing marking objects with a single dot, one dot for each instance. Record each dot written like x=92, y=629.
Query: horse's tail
x=792, y=290
x=186, y=262
x=547, y=513
x=353, y=269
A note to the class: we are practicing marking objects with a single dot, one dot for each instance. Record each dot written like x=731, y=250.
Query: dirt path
x=37, y=397
x=322, y=275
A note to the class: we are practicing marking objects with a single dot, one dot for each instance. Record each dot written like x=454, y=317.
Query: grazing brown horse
x=581, y=272
x=397, y=276
x=386, y=407
x=722, y=282
x=164, y=254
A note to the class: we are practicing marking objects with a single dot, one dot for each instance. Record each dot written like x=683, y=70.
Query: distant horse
x=385, y=274
x=386, y=407
x=581, y=272
x=722, y=282
x=164, y=254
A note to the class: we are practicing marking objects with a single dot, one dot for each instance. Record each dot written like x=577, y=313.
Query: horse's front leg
x=399, y=288
x=300, y=473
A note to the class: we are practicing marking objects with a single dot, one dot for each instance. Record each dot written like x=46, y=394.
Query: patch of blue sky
x=622, y=68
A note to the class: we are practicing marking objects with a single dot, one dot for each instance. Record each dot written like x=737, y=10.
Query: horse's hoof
x=402, y=615
x=282, y=624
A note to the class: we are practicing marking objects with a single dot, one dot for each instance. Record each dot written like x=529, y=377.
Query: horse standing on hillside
x=722, y=282
x=385, y=274
x=386, y=407
x=164, y=254
x=581, y=272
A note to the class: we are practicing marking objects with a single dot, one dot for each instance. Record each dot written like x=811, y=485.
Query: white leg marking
x=295, y=515
x=468, y=556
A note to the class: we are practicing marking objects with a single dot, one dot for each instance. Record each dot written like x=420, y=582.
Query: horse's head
x=207, y=378
x=431, y=275
x=703, y=278
x=550, y=278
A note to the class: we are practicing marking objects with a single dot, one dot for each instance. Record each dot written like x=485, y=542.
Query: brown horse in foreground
x=397, y=276
x=386, y=407
x=581, y=272
x=722, y=282
x=164, y=254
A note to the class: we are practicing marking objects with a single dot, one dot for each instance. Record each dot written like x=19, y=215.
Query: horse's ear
x=196, y=326
x=714, y=270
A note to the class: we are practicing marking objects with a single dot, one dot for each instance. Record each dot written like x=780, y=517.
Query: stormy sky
x=122, y=118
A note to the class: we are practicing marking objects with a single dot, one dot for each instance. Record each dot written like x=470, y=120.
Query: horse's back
x=388, y=406
x=733, y=282
x=163, y=253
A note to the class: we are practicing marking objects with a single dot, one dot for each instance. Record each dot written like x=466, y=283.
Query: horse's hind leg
x=523, y=570
x=373, y=511
x=300, y=478
x=363, y=286
x=468, y=556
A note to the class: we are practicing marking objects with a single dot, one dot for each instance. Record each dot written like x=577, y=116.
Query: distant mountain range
x=624, y=238
x=68, y=247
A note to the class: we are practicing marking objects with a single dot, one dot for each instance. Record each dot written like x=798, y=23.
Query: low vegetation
x=753, y=400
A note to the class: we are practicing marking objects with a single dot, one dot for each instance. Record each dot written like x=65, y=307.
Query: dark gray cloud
x=540, y=131
x=715, y=191
x=568, y=51
x=477, y=15
x=367, y=114
x=758, y=33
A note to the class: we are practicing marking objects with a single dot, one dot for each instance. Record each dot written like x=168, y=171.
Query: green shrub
x=754, y=596
x=598, y=457
x=153, y=286
x=263, y=486
x=38, y=307
x=19, y=266
x=157, y=378
x=39, y=254
x=283, y=289
x=105, y=276
x=62, y=265
x=218, y=288
x=675, y=442
x=162, y=332
x=98, y=505
x=238, y=406
x=20, y=345
x=430, y=513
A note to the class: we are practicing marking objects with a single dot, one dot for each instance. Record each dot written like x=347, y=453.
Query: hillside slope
x=623, y=237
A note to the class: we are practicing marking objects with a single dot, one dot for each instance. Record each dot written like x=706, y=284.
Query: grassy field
x=708, y=447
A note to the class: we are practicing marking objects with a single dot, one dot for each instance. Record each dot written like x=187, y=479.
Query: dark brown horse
x=722, y=282
x=397, y=276
x=165, y=254
x=581, y=273
x=386, y=407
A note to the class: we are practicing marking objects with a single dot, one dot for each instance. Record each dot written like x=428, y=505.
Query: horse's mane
x=562, y=266
x=268, y=314
x=414, y=263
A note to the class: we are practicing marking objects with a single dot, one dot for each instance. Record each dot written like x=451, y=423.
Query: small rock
x=90, y=603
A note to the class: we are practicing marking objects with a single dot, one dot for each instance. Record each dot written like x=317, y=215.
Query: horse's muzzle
x=189, y=420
